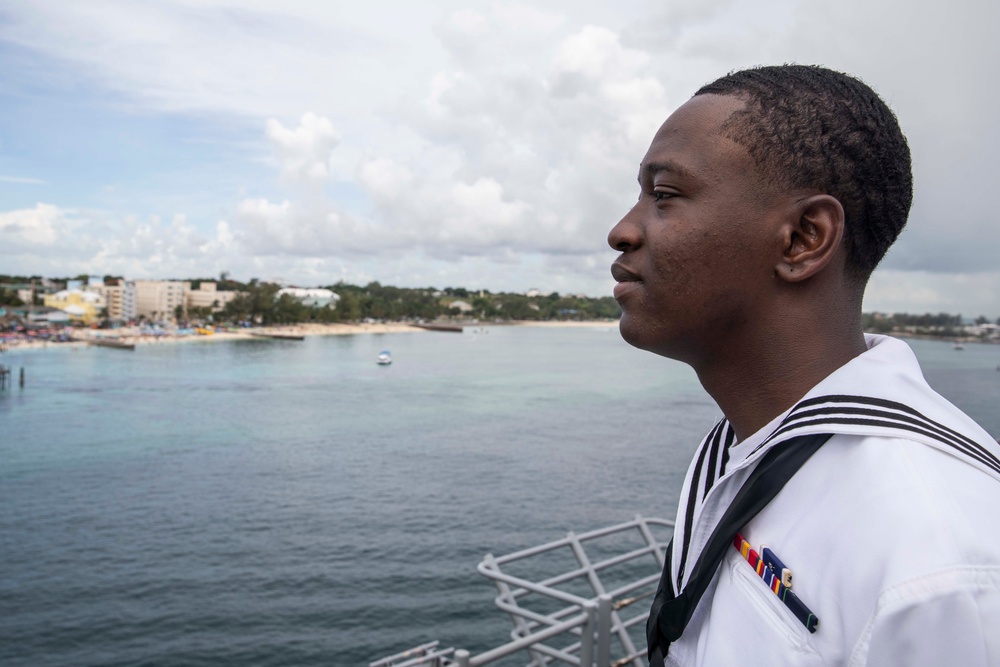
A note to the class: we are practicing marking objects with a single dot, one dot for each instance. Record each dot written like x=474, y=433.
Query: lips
x=623, y=275
x=626, y=279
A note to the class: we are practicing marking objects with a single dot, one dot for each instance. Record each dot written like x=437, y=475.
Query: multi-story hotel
x=208, y=296
x=156, y=299
x=120, y=299
x=159, y=299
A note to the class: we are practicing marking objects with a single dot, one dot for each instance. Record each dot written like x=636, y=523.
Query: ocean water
x=293, y=503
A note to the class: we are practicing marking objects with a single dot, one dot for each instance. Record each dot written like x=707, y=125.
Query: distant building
x=42, y=316
x=209, y=296
x=314, y=297
x=159, y=299
x=83, y=307
x=987, y=331
x=460, y=306
x=120, y=299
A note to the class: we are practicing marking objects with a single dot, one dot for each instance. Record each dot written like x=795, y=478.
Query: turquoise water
x=293, y=503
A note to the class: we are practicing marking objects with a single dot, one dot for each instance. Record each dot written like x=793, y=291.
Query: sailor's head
x=764, y=179
x=809, y=127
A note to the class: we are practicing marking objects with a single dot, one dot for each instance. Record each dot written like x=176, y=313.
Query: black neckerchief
x=670, y=614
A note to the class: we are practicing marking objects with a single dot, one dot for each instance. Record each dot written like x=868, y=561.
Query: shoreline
x=131, y=335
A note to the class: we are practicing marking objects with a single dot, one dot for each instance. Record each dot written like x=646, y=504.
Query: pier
x=278, y=336
x=7, y=377
x=108, y=342
x=453, y=328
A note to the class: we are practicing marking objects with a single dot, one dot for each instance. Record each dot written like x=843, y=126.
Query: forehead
x=693, y=140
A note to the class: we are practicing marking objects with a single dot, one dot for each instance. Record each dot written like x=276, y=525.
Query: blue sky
x=488, y=145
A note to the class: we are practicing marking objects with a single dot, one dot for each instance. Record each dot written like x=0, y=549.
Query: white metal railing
x=425, y=655
x=588, y=628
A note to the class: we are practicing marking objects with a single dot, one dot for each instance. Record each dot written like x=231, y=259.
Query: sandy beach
x=131, y=335
x=564, y=323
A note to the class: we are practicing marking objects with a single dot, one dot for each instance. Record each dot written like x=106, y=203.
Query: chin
x=632, y=332
x=651, y=339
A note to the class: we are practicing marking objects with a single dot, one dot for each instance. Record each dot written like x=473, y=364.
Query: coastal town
x=36, y=311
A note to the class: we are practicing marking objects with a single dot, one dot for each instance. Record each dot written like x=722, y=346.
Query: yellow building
x=83, y=307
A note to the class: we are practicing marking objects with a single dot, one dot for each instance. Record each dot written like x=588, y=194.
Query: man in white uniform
x=765, y=203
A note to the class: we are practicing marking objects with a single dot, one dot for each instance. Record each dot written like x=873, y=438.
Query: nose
x=626, y=235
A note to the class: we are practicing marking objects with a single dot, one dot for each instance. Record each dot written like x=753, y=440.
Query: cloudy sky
x=486, y=145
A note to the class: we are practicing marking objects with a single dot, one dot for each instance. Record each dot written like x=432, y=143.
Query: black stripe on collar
x=711, y=442
x=833, y=410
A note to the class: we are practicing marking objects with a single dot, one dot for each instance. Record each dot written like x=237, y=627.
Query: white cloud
x=507, y=160
x=248, y=58
x=30, y=227
x=480, y=173
x=54, y=241
x=385, y=179
x=524, y=17
x=596, y=53
x=478, y=214
x=304, y=152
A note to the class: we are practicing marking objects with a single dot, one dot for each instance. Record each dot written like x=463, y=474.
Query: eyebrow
x=651, y=169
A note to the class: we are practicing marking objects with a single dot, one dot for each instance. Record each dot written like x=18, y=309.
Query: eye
x=660, y=195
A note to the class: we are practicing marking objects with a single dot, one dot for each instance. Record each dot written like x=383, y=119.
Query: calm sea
x=293, y=503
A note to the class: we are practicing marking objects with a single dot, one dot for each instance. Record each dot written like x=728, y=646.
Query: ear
x=810, y=237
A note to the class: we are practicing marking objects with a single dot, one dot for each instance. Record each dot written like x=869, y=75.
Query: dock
x=453, y=328
x=278, y=336
x=7, y=377
x=110, y=342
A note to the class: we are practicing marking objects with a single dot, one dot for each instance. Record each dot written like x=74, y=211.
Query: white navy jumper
x=891, y=530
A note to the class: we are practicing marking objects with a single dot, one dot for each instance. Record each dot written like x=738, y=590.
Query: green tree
x=8, y=297
x=348, y=307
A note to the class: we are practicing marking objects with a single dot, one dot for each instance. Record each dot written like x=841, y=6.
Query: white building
x=314, y=297
x=120, y=299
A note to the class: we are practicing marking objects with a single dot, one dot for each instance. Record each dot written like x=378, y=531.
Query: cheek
x=693, y=261
x=707, y=278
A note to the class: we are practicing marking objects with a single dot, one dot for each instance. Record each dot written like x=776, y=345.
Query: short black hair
x=809, y=126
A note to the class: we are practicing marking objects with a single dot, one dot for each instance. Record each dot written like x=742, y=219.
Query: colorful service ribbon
x=773, y=581
x=772, y=561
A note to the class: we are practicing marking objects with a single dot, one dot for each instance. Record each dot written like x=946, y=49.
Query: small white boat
x=384, y=358
x=959, y=346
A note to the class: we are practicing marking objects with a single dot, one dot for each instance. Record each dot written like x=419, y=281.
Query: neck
x=772, y=367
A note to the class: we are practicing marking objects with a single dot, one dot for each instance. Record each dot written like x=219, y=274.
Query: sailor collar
x=861, y=398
